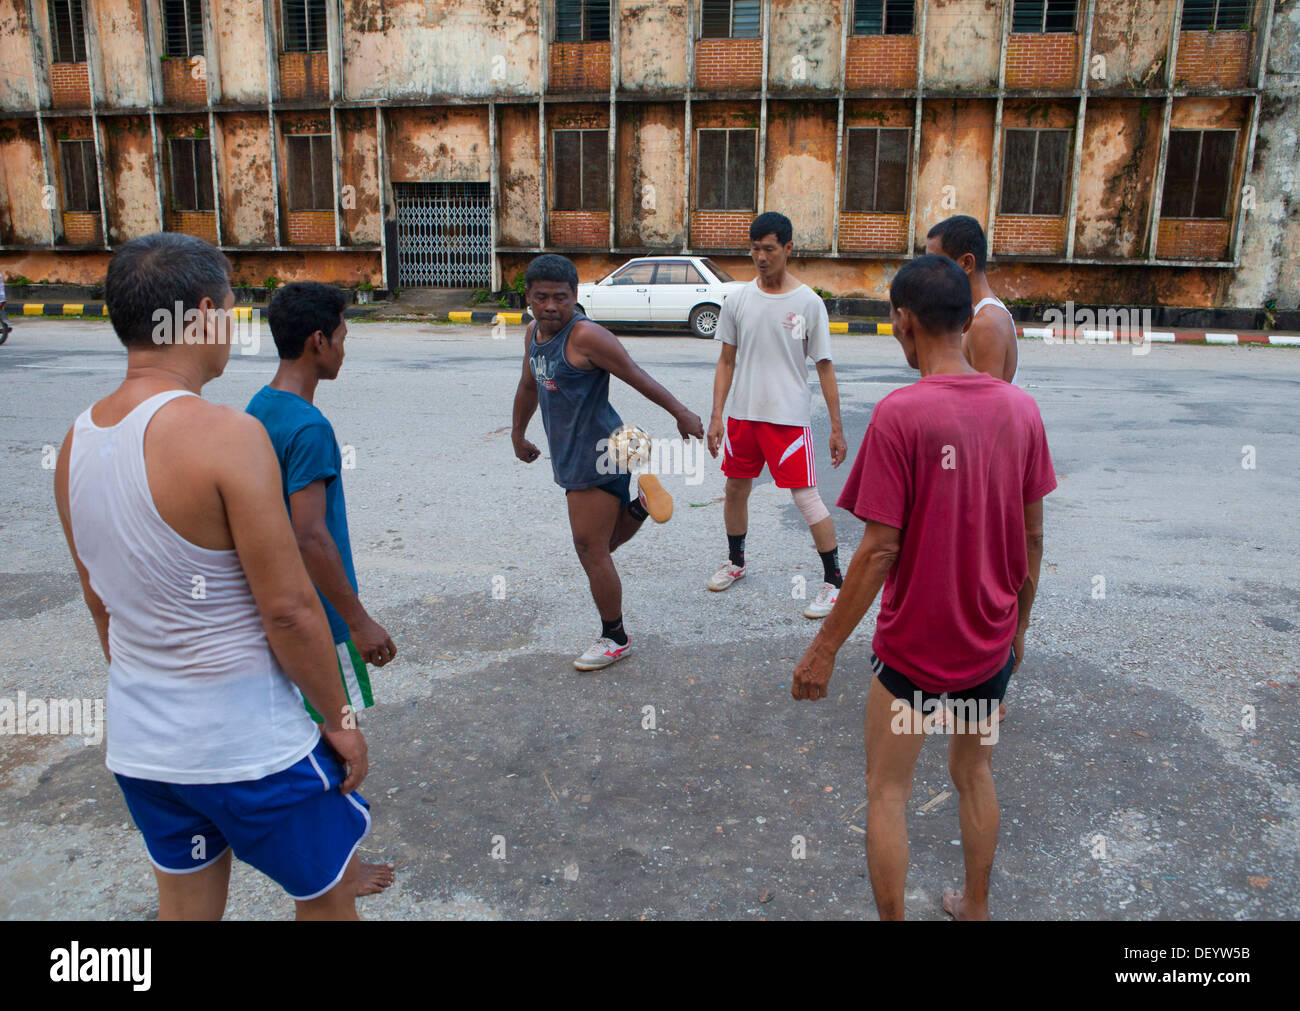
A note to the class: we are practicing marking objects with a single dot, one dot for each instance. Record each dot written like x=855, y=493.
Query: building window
x=68, y=31
x=80, y=176
x=303, y=24
x=1216, y=15
x=1198, y=173
x=191, y=164
x=883, y=17
x=581, y=20
x=1044, y=16
x=581, y=169
x=182, y=28
x=311, y=173
x=727, y=170
x=1034, y=172
x=730, y=19
x=875, y=170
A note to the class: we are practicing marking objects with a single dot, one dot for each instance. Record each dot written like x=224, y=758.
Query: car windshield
x=718, y=272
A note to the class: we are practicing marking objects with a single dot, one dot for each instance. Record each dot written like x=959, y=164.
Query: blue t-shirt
x=307, y=450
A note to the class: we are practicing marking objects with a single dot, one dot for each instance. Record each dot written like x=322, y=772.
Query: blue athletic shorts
x=294, y=826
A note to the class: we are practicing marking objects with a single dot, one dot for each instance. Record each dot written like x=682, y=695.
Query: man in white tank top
x=205, y=613
x=989, y=342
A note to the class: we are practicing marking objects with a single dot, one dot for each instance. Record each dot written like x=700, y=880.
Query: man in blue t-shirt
x=307, y=324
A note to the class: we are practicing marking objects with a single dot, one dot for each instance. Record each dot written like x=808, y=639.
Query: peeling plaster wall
x=805, y=45
x=23, y=218
x=518, y=196
x=17, y=85
x=801, y=169
x=1270, y=238
x=962, y=42
x=1121, y=143
x=120, y=24
x=653, y=44
x=957, y=152
x=87, y=267
x=131, y=183
x=439, y=145
x=345, y=269
x=463, y=47
x=241, y=49
x=650, y=167
x=247, y=193
x=1133, y=37
x=359, y=144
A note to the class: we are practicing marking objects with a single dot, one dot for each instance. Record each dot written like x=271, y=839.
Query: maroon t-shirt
x=951, y=461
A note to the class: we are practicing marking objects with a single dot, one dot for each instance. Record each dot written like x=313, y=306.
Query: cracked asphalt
x=1148, y=769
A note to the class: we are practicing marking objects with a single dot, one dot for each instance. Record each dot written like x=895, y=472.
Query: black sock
x=614, y=630
x=736, y=549
x=637, y=510
x=831, y=566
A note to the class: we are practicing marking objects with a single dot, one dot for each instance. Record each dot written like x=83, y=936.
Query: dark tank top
x=575, y=411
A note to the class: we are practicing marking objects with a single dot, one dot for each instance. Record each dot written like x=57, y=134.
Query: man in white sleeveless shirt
x=989, y=341
x=206, y=615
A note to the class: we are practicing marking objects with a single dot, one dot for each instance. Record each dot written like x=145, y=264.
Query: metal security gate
x=444, y=235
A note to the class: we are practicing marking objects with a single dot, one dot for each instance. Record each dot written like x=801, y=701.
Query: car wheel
x=704, y=320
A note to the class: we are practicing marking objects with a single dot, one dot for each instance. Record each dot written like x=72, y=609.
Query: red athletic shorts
x=786, y=449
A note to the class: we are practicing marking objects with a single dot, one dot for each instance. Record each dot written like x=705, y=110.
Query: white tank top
x=195, y=694
x=998, y=302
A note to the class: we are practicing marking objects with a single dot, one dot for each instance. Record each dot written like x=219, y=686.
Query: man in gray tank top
x=568, y=360
x=989, y=340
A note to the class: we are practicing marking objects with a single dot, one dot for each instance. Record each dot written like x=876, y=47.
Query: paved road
x=1126, y=733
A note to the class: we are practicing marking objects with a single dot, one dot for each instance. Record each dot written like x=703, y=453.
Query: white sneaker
x=725, y=576
x=602, y=653
x=821, y=607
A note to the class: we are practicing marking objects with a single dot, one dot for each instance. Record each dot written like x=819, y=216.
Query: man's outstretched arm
x=831, y=394
x=876, y=555
x=722, y=378
x=604, y=351
x=525, y=407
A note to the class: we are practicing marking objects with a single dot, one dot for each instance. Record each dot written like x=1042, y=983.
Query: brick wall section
x=1214, y=59
x=179, y=85
x=1193, y=239
x=1028, y=235
x=69, y=86
x=880, y=61
x=580, y=228
x=873, y=233
x=1043, y=61
x=311, y=228
x=80, y=228
x=729, y=64
x=579, y=66
x=304, y=75
x=201, y=224
x=720, y=229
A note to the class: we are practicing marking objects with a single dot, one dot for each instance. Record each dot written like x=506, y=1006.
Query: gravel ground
x=1129, y=786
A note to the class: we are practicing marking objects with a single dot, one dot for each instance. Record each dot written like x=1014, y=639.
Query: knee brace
x=810, y=504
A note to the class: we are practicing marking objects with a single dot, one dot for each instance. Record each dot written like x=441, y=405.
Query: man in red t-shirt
x=949, y=481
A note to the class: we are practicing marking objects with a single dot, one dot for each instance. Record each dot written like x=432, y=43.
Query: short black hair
x=156, y=271
x=935, y=290
x=959, y=235
x=772, y=223
x=551, y=267
x=298, y=310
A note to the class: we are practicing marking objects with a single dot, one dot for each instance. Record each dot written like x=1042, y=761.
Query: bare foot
x=1002, y=712
x=374, y=878
x=955, y=906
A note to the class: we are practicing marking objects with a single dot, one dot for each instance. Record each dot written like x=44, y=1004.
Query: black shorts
x=899, y=685
x=620, y=486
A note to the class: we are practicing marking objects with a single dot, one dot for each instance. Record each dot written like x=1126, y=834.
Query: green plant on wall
x=271, y=283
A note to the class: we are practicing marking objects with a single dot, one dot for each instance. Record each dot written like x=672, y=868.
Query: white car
x=662, y=290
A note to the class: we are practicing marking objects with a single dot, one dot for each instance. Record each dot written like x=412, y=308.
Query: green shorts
x=356, y=680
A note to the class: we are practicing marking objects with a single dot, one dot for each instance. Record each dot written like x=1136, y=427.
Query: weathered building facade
x=1130, y=151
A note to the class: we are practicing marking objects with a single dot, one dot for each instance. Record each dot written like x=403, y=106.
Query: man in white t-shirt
x=768, y=330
